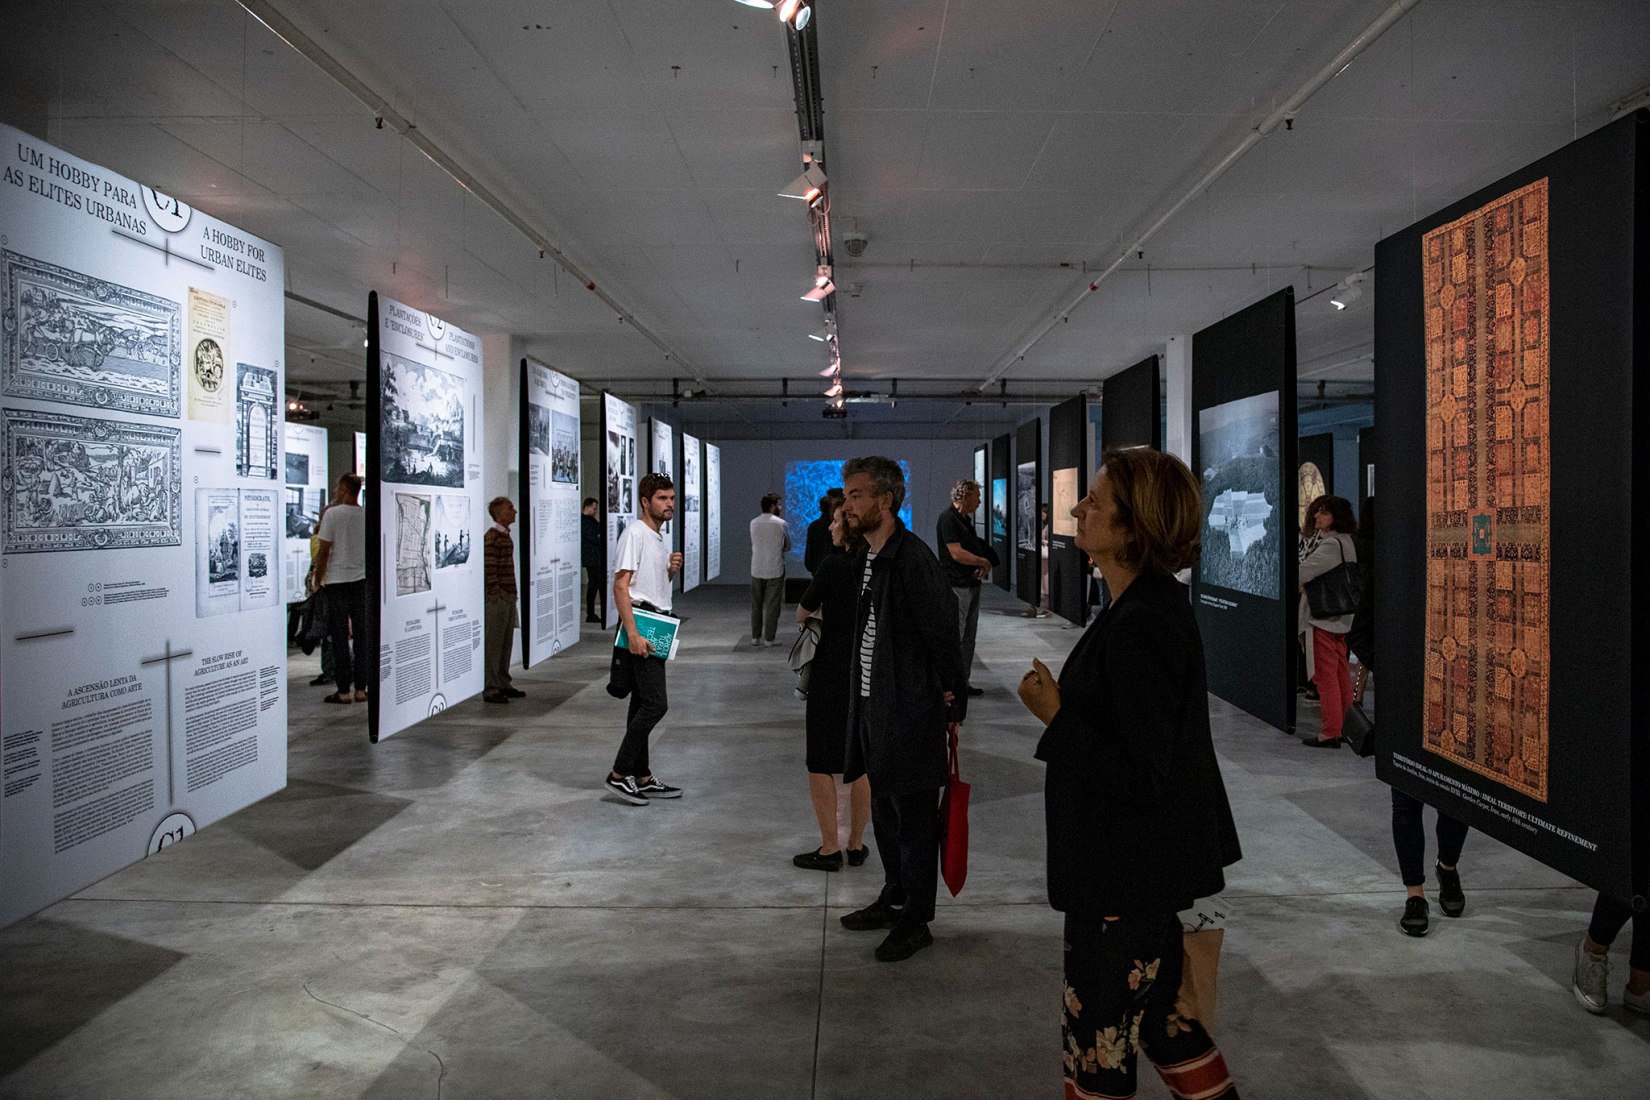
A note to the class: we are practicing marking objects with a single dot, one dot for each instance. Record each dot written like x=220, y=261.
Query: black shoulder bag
x=1338, y=591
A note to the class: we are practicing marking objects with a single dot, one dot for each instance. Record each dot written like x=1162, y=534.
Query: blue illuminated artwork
x=806, y=482
x=999, y=509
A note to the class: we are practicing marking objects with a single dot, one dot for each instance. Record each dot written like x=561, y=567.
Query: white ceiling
x=981, y=145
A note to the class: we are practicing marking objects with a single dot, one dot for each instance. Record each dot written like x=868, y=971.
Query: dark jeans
x=907, y=828
x=968, y=623
x=1409, y=836
x=1609, y=915
x=647, y=706
x=1122, y=979
x=592, y=590
x=347, y=609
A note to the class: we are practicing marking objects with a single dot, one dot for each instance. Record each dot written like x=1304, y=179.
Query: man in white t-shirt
x=341, y=568
x=769, y=542
x=643, y=567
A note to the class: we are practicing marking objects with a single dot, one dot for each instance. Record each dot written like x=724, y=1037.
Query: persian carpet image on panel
x=1488, y=486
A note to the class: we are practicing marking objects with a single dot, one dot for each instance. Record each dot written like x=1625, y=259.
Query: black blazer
x=818, y=544
x=918, y=657
x=1138, y=821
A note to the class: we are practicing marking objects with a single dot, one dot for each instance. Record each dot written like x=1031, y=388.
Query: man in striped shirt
x=499, y=551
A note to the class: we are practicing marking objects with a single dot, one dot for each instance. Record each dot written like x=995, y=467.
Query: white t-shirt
x=345, y=527
x=642, y=552
x=769, y=541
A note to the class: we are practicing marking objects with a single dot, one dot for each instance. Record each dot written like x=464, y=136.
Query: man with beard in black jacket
x=905, y=683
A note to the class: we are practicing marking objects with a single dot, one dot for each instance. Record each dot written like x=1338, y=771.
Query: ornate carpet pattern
x=1488, y=488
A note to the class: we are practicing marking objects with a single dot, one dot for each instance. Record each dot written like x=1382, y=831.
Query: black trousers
x=907, y=828
x=648, y=705
x=592, y=589
x=1609, y=915
x=1409, y=837
x=347, y=608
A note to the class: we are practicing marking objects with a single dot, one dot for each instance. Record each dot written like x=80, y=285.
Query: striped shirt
x=500, y=558
x=867, y=639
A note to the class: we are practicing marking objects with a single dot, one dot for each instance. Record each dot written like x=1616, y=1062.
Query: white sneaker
x=756, y=641
x=1591, y=980
x=1636, y=1002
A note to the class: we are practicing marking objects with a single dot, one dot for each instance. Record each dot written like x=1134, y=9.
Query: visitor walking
x=905, y=682
x=502, y=607
x=1409, y=838
x=769, y=544
x=1324, y=637
x=341, y=568
x=968, y=560
x=1138, y=822
x=1591, y=978
x=591, y=556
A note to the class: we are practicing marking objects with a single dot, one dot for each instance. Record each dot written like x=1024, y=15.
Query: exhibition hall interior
x=536, y=532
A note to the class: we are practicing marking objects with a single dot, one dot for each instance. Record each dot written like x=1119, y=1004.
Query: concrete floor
x=458, y=913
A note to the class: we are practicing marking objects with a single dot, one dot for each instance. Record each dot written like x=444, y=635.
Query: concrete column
x=500, y=451
x=1177, y=393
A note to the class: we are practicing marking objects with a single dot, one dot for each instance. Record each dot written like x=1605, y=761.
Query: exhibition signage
x=305, y=473
x=1068, y=431
x=618, y=481
x=144, y=643
x=1028, y=506
x=1000, y=501
x=1244, y=589
x=425, y=575
x=1131, y=407
x=692, y=513
x=1510, y=331
x=548, y=529
x=713, y=512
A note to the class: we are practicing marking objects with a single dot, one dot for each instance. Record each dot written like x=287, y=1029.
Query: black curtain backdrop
x=1028, y=451
x=375, y=513
x=1068, y=427
x=1320, y=451
x=1595, y=822
x=1131, y=407
x=1248, y=633
x=1000, y=499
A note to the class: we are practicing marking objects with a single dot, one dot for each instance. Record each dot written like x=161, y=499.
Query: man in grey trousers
x=967, y=560
x=769, y=543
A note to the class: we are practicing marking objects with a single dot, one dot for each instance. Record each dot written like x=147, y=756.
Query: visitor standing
x=769, y=543
x=1324, y=636
x=1138, y=822
x=1591, y=978
x=905, y=682
x=643, y=568
x=968, y=559
x=341, y=568
x=591, y=557
x=818, y=542
x=833, y=595
x=502, y=607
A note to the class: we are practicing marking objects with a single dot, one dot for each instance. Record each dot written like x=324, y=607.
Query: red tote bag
x=954, y=824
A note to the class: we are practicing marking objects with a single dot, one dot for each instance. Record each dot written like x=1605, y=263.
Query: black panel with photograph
x=1030, y=520
x=1131, y=407
x=1001, y=503
x=1068, y=571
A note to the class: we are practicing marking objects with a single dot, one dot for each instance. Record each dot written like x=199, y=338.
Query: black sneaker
x=624, y=788
x=818, y=861
x=903, y=942
x=515, y=693
x=1414, y=920
x=974, y=691
x=1451, y=899
x=652, y=788
x=872, y=917
x=494, y=697
x=857, y=856
x=321, y=679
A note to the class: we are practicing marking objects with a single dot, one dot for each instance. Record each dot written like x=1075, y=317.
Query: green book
x=659, y=630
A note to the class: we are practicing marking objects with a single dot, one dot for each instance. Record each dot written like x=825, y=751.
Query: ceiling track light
x=820, y=292
x=767, y=4
x=823, y=335
x=809, y=186
x=1351, y=290
x=796, y=13
x=835, y=390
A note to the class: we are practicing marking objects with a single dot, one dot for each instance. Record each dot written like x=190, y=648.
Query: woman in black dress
x=1138, y=823
x=833, y=593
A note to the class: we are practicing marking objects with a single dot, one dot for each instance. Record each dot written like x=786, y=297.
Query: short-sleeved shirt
x=769, y=541
x=956, y=527
x=642, y=553
x=345, y=528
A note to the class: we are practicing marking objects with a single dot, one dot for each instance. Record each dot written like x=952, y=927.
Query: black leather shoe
x=975, y=691
x=321, y=679
x=903, y=942
x=1414, y=920
x=857, y=856
x=872, y=917
x=493, y=697
x=1319, y=743
x=515, y=693
x=817, y=861
x=1451, y=899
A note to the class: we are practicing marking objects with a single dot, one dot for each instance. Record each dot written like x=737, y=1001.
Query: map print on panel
x=422, y=425
x=412, y=541
x=1485, y=293
x=79, y=483
x=255, y=422
x=1243, y=528
x=452, y=531
x=77, y=340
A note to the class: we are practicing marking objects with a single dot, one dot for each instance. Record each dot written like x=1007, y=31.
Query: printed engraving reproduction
x=79, y=340
x=422, y=425
x=412, y=542
x=255, y=422
x=1485, y=293
x=80, y=483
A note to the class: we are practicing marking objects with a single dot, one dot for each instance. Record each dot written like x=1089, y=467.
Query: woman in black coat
x=834, y=593
x=1138, y=822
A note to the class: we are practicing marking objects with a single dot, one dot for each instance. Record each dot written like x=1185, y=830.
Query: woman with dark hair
x=834, y=594
x=1324, y=636
x=1138, y=823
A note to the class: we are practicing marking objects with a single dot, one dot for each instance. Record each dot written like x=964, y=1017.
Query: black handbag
x=1337, y=592
x=1358, y=730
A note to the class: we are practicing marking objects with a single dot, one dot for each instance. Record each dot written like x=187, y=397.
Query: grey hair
x=885, y=475
x=963, y=488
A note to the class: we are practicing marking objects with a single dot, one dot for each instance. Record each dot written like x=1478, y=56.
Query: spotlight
x=809, y=186
x=835, y=390
x=795, y=12
x=756, y=3
x=1347, y=297
x=820, y=292
x=823, y=335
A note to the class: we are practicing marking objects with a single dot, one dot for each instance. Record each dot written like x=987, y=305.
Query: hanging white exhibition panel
x=662, y=456
x=361, y=453
x=548, y=538
x=618, y=481
x=143, y=654
x=424, y=457
x=713, y=512
x=306, y=494
x=692, y=512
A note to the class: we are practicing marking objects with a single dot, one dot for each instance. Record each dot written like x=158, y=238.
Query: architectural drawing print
x=412, y=543
x=255, y=422
x=79, y=340
x=80, y=483
x=422, y=425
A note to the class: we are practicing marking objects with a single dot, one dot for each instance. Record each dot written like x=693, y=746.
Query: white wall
x=751, y=468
